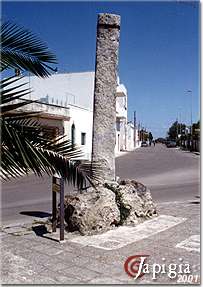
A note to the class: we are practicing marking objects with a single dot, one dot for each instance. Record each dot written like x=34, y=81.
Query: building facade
x=67, y=99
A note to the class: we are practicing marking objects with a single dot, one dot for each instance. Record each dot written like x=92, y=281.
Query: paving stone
x=104, y=268
x=104, y=280
x=72, y=260
x=58, y=266
x=31, y=259
x=110, y=259
x=3, y=235
x=43, y=280
x=68, y=280
x=10, y=280
x=48, y=250
x=83, y=274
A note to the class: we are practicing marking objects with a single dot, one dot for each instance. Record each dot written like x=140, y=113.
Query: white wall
x=76, y=91
x=137, y=141
x=130, y=137
x=72, y=88
x=63, y=89
x=121, y=106
x=131, y=144
x=117, y=146
x=82, y=120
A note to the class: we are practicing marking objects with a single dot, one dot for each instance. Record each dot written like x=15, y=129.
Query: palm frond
x=28, y=147
x=11, y=94
x=23, y=143
x=21, y=49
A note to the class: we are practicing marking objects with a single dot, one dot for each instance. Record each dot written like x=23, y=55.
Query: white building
x=121, y=118
x=70, y=96
x=132, y=137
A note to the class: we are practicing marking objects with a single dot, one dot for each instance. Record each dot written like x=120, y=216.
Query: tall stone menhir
x=104, y=119
x=95, y=212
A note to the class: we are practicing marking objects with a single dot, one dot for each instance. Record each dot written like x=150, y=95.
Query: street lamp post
x=135, y=128
x=191, y=132
x=177, y=130
x=180, y=125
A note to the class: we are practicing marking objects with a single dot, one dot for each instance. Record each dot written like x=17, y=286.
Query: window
x=118, y=127
x=50, y=131
x=83, y=138
x=73, y=134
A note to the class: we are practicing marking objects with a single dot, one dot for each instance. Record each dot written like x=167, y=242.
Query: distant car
x=171, y=144
x=144, y=144
x=160, y=140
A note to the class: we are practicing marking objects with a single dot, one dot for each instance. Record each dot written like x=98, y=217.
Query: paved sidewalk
x=188, y=151
x=122, y=153
x=31, y=259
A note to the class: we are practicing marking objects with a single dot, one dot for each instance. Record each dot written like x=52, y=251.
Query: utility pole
x=135, y=127
x=191, y=132
x=190, y=93
x=180, y=130
x=177, y=129
x=139, y=133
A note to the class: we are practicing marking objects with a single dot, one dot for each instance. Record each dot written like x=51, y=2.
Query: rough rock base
x=111, y=204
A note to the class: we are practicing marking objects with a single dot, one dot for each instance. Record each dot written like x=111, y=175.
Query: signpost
x=58, y=186
x=62, y=209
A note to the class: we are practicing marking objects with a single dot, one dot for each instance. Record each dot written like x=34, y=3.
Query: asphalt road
x=171, y=175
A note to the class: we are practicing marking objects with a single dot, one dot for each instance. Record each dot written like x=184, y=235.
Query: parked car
x=160, y=140
x=171, y=144
x=144, y=144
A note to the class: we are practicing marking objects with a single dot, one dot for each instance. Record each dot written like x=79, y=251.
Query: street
x=105, y=108
x=173, y=236
x=171, y=175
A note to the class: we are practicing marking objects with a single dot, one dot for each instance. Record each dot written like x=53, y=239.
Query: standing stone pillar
x=104, y=119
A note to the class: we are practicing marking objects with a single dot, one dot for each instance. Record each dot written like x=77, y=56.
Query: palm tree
x=25, y=146
x=21, y=49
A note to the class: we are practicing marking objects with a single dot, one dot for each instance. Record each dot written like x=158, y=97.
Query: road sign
x=58, y=187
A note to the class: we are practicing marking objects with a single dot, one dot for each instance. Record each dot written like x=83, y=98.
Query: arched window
x=73, y=134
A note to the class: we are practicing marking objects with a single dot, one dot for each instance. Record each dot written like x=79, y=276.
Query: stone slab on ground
x=125, y=235
x=191, y=244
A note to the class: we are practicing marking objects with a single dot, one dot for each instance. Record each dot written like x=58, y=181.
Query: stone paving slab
x=190, y=244
x=125, y=235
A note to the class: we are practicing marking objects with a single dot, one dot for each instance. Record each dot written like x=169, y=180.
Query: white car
x=144, y=144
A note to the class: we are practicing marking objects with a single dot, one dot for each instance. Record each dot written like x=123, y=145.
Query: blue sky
x=159, y=50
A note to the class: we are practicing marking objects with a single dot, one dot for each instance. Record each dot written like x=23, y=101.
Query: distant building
x=133, y=140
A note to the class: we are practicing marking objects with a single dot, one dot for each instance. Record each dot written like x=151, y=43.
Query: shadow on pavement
x=41, y=230
x=194, y=202
x=39, y=214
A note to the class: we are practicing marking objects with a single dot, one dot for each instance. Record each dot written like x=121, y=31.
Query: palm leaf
x=11, y=94
x=11, y=98
x=20, y=49
x=28, y=147
x=23, y=143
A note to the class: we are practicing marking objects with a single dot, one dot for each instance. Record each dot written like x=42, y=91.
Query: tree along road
x=171, y=175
